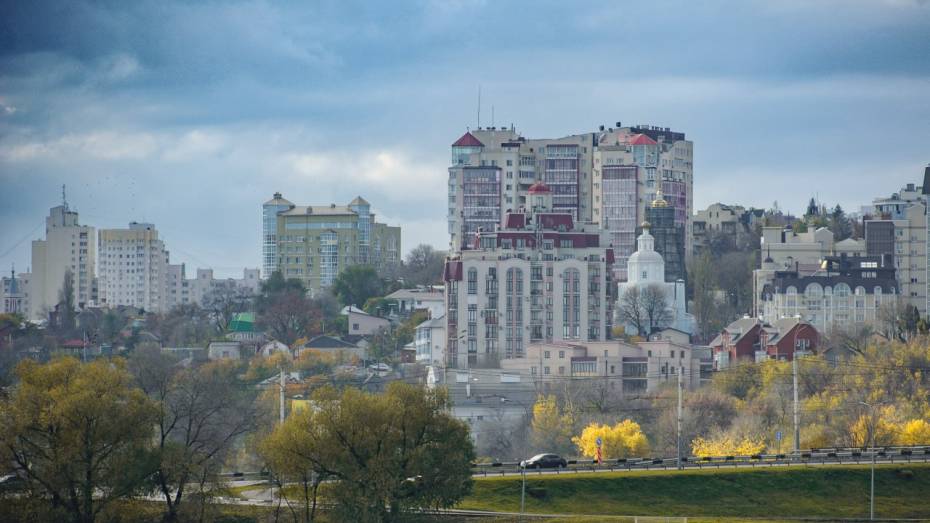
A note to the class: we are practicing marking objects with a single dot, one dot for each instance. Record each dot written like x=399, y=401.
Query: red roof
x=538, y=188
x=469, y=140
x=641, y=139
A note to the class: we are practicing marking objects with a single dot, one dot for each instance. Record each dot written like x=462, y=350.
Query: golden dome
x=645, y=225
x=660, y=199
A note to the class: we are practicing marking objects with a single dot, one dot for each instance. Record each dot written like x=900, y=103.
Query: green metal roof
x=242, y=322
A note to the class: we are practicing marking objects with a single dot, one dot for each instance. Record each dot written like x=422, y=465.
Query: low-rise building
x=431, y=341
x=14, y=294
x=630, y=369
x=222, y=350
x=406, y=301
x=752, y=340
x=360, y=323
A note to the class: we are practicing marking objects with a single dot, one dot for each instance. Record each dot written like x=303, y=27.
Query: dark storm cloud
x=189, y=114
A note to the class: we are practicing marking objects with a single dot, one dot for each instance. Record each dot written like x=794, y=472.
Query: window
x=355, y=326
x=561, y=354
x=545, y=370
x=546, y=355
x=472, y=281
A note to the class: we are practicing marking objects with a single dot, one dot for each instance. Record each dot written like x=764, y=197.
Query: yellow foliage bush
x=727, y=446
x=915, y=432
x=623, y=440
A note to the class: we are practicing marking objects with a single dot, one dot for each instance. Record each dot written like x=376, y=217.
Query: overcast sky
x=191, y=114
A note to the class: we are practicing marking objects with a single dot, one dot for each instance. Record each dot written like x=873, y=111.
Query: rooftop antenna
x=479, y=106
x=64, y=199
x=492, y=116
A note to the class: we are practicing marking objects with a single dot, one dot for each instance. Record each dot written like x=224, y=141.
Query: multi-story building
x=201, y=286
x=270, y=210
x=430, y=341
x=68, y=247
x=902, y=217
x=786, y=250
x=845, y=291
x=537, y=277
x=14, y=293
x=132, y=266
x=631, y=369
x=314, y=243
x=732, y=224
x=669, y=238
x=607, y=177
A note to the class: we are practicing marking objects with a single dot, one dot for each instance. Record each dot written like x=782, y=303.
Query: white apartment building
x=907, y=212
x=785, y=250
x=68, y=246
x=132, y=267
x=204, y=283
x=430, y=341
x=606, y=177
x=538, y=277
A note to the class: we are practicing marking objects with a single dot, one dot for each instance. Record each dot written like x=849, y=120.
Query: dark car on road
x=544, y=461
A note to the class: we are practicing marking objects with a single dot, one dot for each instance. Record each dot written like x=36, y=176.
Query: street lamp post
x=872, y=481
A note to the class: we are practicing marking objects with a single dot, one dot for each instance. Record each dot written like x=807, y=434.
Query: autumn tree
x=727, y=445
x=386, y=453
x=622, y=440
x=553, y=426
x=78, y=434
x=66, y=319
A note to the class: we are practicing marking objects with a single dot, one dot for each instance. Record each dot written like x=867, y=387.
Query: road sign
x=778, y=435
x=598, y=441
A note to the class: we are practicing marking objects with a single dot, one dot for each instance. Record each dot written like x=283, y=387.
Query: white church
x=647, y=267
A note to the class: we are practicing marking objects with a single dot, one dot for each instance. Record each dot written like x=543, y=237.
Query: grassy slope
x=795, y=492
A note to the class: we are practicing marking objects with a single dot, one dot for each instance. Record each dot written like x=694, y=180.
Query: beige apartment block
x=67, y=246
x=132, y=267
x=314, y=243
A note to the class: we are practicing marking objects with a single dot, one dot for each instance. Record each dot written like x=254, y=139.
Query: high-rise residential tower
x=607, y=177
x=537, y=277
x=68, y=248
x=133, y=266
x=314, y=243
x=270, y=210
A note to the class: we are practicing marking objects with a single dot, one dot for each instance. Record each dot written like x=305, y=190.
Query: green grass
x=902, y=491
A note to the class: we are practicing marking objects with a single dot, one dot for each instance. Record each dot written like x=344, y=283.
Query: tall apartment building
x=270, y=210
x=606, y=177
x=132, y=267
x=669, y=238
x=68, y=246
x=537, y=277
x=903, y=215
x=314, y=243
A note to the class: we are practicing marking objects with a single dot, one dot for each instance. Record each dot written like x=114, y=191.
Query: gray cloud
x=189, y=114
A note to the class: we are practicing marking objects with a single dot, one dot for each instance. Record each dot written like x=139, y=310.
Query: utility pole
x=281, y=396
x=678, y=461
x=522, y=488
x=797, y=428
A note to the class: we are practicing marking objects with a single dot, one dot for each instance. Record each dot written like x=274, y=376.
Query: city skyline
x=118, y=113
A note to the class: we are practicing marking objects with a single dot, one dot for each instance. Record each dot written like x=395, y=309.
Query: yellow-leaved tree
x=727, y=446
x=915, y=432
x=880, y=429
x=552, y=427
x=623, y=440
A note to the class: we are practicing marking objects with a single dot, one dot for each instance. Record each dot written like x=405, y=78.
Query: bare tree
x=203, y=411
x=224, y=300
x=289, y=315
x=423, y=265
x=630, y=310
x=655, y=308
